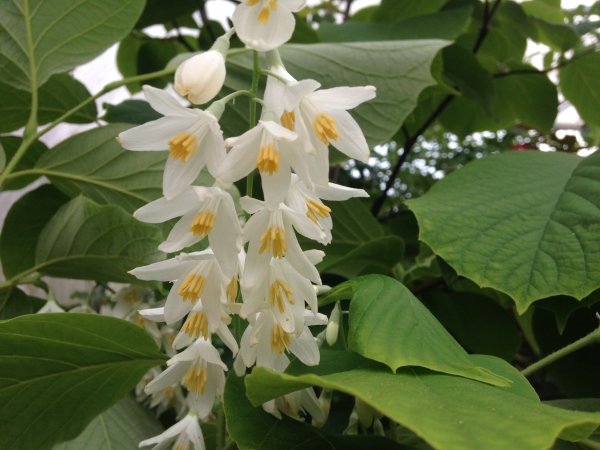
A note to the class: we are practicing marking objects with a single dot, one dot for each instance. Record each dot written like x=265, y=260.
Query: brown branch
x=347, y=11
x=411, y=140
x=181, y=39
x=205, y=21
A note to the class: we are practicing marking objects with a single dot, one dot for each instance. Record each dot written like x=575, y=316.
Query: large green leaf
x=359, y=244
x=57, y=96
x=95, y=164
x=14, y=302
x=39, y=38
x=59, y=371
x=23, y=225
x=580, y=85
x=121, y=427
x=395, y=11
x=563, y=306
x=524, y=223
x=390, y=325
x=88, y=241
x=11, y=144
x=130, y=111
x=442, y=25
x=158, y=11
x=449, y=412
x=254, y=429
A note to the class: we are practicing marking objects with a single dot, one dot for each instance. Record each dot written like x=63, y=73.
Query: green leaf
x=478, y=323
x=11, y=144
x=23, y=224
x=580, y=404
x=359, y=244
x=558, y=36
x=159, y=11
x=580, y=85
x=544, y=10
x=563, y=306
x=95, y=164
x=2, y=158
x=39, y=38
x=130, y=111
x=57, y=96
x=395, y=11
x=254, y=429
x=448, y=412
x=303, y=32
x=529, y=232
x=442, y=25
x=66, y=369
x=121, y=427
x=88, y=241
x=14, y=302
x=390, y=325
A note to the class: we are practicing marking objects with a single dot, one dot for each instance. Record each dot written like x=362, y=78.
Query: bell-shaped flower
x=194, y=275
x=264, y=341
x=294, y=404
x=306, y=201
x=205, y=212
x=193, y=138
x=196, y=327
x=270, y=232
x=283, y=290
x=272, y=149
x=199, y=368
x=169, y=397
x=201, y=77
x=265, y=24
x=185, y=435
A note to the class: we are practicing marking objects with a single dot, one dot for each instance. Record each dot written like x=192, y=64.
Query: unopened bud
x=378, y=427
x=364, y=412
x=201, y=77
x=325, y=403
x=333, y=326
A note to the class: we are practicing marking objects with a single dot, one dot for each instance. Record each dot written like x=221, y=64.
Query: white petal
x=256, y=264
x=271, y=409
x=338, y=192
x=299, y=261
x=168, y=270
x=208, y=353
x=278, y=131
x=239, y=366
x=263, y=37
x=182, y=340
x=225, y=334
x=172, y=375
x=343, y=97
x=162, y=209
x=164, y=102
x=351, y=140
x=296, y=91
x=179, y=175
x=214, y=150
x=303, y=225
x=170, y=433
x=194, y=432
x=155, y=135
x=276, y=186
x=154, y=314
x=180, y=236
x=175, y=307
x=317, y=319
x=315, y=256
x=305, y=348
x=241, y=159
x=310, y=402
x=251, y=205
x=224, y=240
x=294, y=5
x=274, y=95
x=299, y=161
x=211, y=298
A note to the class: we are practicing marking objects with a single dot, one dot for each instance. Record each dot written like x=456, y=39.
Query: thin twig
x=429, y=284
x=205, y=21
x=181, y=39
x=347, y=11
x=411, y=140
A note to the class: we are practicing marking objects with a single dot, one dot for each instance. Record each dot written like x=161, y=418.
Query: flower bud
x=333, y=325
x=201, y=77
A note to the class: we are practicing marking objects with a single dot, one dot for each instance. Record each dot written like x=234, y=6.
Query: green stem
x=274, y=75
x=591, y=338
x=31, y=126
x=260, y=101
x=234, y=95
x=220, y=428
x=589, y=443
x=6, y=297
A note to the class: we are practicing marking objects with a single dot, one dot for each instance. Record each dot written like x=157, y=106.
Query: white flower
x=200, y=369
x=265, y=24
x=185, y=432
x=201, y=77
x=294, y=403
x=272, y=149
x=206, y=212
x=282, y=289
x=195, y=327
x=51, y=307
x=192, y=136
x=264, y=341
x=195, y=275
x=169, y=397
x=270, y=232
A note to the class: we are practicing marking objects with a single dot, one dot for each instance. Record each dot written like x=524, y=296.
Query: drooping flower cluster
x=272, y=282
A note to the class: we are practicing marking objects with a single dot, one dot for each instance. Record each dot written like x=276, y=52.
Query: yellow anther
x=232, y=289
x=280, y=339
x=273, y=4
x=140, y=321
x=325, y=129
x=195, y=378
x=273, y=238
x=314, y=208
x=183, y=146
x=252, y=2
x=263, y=17
x=192, y=287
x=276, y=297
x=196, y=325
x=268, y=159
x=203, y=223
x=288, y=119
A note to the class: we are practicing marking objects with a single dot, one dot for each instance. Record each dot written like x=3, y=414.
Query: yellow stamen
x=195, y=378
x=263, y=17
x=170, y=394
x=273, y=4
x=183, y=146
x=140, y=321
x=192, y=287
x=315, y=207
x=232, y=289
x=203, y=223
x=196, y=325
x=288, y=119
x=279, y=339
x=273, y=238
x=268, y=159
x=252, y=2
x=324, y=126
x=275, y=295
